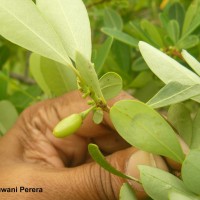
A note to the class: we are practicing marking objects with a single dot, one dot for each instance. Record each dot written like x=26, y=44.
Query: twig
x=22, y=79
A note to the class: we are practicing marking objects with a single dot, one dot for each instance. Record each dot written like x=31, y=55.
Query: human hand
x=33, y=158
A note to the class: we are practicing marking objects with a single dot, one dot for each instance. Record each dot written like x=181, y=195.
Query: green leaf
x=152, y=31
x=88, y=74
x=127, y=193
x=173, y=30
x=59, y=78
x=139, y=65
x=35, y=69
x=70, y=21
x=29, y=31
x=179, y=117
x=100, y=159
x=8, y=115
x=28, y=95
x=112, y=19
x=166, y=68
x=195, y=143
x=176, y=12
x=102, y=54
x=194, y=64
x=174, y=195
x=142, y=79
x=98, y=116
x=3, y=85
x=158, y=183
x=191, y=171
x=111, y=85
x=188, y=42
x=172, y=93
x=192, y=19
x=121, y=36
x=145, y=129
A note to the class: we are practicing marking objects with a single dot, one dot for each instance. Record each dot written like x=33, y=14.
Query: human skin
x=32, y=157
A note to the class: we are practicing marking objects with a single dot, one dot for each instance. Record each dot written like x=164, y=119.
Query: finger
x=91, y=182
x=110, y=142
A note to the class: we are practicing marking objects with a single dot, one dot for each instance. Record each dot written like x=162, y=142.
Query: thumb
x=91, y=182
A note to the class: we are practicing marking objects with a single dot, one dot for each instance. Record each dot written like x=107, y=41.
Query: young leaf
x=166, y=68
x=145, y=129
x=127, y=193
x=158, y=183
x=174, y=195
x=70, y=21
x=88, y=74
x=29, y=31
x=195, y=143
x=179, y=117
x=100, y=159
x=121, y=36
x=172, y=93
x=102, y=54
x=194, y=64
x=8, y=115
x=191, y=171
x=112, y=19
x=111, y=85
x=98, y=116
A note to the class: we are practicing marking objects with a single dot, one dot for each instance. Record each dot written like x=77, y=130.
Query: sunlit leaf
x=172, y=93
x=194, y=64
x=28, y=32
x=166, y=68
x=70, y=21
x=145, y=129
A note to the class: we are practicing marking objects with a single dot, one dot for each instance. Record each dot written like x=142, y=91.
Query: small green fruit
x=68, y=126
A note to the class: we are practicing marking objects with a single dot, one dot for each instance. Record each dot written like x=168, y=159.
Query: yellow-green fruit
x=68, y=126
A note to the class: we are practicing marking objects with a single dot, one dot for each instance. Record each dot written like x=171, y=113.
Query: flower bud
x=68, y=125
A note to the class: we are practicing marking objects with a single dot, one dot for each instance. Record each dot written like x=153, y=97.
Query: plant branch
x=22, y=79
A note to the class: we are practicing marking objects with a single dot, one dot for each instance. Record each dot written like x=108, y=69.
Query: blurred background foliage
x=117, y=26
